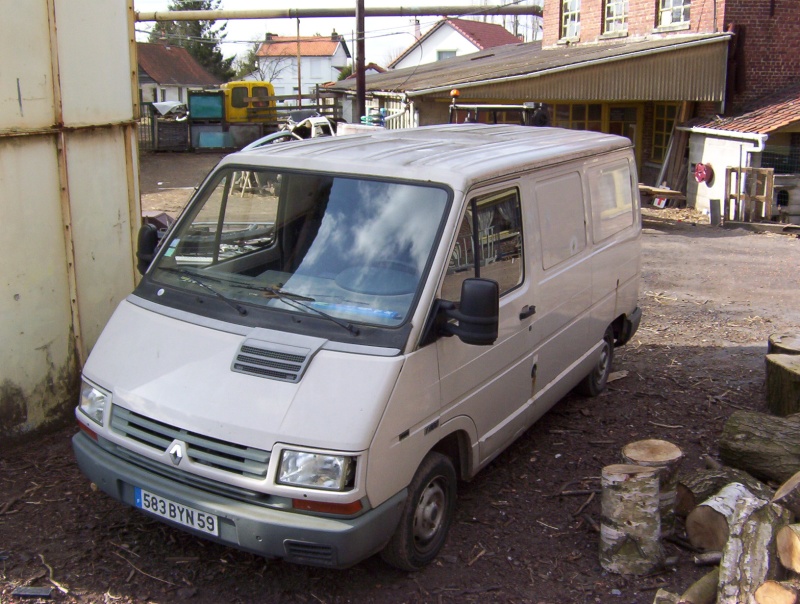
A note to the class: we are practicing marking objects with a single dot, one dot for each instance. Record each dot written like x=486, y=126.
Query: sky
x=385, y=37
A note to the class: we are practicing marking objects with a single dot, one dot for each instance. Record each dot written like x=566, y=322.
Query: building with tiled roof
x=167, y=73
x=452, y=38
x=321, y=60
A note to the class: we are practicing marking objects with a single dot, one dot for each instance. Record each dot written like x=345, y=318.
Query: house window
x=445, y=54
x=163, y=94
x=616, y=16
x=665, y=114
x=571, y=18
x=673, y=12
x=180, y=95
x=578, y=116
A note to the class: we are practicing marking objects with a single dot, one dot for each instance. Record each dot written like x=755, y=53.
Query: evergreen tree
x=201, y=39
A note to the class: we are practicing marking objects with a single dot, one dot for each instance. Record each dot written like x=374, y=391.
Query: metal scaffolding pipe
x=297, y=13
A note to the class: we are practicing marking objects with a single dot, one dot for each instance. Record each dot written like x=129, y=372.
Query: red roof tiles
x=766, y=115
x=282, y=46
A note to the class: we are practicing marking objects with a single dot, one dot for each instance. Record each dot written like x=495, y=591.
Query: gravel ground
x=711, y=297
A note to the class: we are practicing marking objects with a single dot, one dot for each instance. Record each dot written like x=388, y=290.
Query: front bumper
x=273, y=533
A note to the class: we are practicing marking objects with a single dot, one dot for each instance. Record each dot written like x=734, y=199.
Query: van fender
x=391, y=469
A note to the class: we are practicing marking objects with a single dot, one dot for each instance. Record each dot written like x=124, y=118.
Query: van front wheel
x=427, y=515
x=594, y=383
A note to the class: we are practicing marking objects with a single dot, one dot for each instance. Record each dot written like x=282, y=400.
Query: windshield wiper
x=195, y=279
x=297, y=300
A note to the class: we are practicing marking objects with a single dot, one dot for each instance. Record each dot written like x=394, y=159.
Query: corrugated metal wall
x=69, y=202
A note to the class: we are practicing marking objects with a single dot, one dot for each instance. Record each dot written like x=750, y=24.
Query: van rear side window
x=612, y=199
x=561, y=218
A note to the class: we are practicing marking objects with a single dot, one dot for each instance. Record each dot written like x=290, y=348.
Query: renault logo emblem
x=176, y=453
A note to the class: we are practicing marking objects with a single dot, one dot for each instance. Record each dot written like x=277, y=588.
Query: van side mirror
x=146, y=247
x=477, y=313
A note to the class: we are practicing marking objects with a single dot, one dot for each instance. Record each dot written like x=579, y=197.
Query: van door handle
x=527, y=311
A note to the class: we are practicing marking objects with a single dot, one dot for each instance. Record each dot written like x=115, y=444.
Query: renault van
x=335, y=332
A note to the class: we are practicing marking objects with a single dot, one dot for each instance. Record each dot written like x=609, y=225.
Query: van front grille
x=271, y=360
x=221, y=455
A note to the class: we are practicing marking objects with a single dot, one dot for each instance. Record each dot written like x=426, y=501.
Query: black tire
x=427, y=515
x=594, y=383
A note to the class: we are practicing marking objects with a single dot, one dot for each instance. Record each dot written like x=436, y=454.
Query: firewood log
x=665, y=597
x=702, y=591
x=776, y=592
x=783, y=383
x=789, y=546
x=783, y=343
x=788, y=495
x=666, y=457
x=708, y=525
x=696, y=487
x=750, y=557
x=765, y=446
x=630, y=531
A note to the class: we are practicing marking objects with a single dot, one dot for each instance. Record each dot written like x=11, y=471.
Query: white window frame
x=615, y=16
x=570, y=19
x=667, y=9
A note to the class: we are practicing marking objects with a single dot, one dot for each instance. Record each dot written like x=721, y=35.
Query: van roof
x=455, y=154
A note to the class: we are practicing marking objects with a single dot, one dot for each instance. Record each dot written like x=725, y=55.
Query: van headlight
x=316, y=471
x=93, y=402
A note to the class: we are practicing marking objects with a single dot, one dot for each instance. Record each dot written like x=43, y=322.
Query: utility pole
x=361, y=83
x=299, y=77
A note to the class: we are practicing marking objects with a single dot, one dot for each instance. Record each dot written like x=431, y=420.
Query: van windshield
x=353, y=249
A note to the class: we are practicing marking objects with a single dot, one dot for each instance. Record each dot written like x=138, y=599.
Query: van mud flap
x=630, y=324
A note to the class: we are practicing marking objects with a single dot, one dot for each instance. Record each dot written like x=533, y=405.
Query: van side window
x=496, y=252
x=561, y=218
x=612, y=199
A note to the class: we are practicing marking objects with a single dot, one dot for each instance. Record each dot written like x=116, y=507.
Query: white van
x=337, y=330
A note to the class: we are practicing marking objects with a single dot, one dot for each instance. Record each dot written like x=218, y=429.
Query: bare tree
x=263, y=69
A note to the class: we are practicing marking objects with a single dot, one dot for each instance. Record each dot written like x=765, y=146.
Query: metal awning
x=674, y=68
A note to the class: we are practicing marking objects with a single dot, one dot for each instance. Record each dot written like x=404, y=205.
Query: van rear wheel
x=594, y=383
x=427, y=515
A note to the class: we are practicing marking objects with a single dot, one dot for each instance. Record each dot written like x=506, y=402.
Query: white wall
x=720, y=153
x=445, y=38
x=313, y=71
x=68, y=196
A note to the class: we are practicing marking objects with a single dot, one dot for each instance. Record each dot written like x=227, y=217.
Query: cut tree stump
x=788, y=541
x=783, y=383
x=750, y=557
x=702, y=591
x=776, y=592
x=788, y=495
x=630, y=530
x=708, y=525
x=665, y=456
x=694, y=488
x=666, y=597
x=783, y=343
x=765, y=446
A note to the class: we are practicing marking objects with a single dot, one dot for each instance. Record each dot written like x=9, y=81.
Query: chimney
x=334, y=36
x=417, y=30
x=268, y=37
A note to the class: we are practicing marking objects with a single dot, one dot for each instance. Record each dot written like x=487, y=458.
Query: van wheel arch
x=595, y=382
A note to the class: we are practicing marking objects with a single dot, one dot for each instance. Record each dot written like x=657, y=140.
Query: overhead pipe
x=297, y=13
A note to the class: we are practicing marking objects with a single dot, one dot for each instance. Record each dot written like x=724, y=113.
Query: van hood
x=186, y=375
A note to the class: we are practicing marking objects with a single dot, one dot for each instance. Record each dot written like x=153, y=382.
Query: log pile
x=729, y=511
x=733, y=518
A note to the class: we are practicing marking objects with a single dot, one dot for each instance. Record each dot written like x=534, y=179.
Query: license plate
x=183, y=515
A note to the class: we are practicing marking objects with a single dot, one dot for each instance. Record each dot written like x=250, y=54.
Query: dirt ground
x=710, y=296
